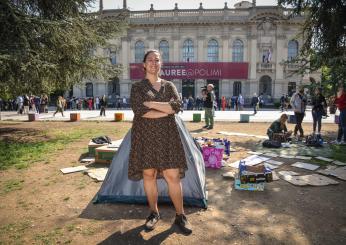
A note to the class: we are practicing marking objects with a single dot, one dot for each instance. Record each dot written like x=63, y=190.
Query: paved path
x=232, y=116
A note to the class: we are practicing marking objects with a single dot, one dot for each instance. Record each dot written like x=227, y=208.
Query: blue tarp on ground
x=117, y=188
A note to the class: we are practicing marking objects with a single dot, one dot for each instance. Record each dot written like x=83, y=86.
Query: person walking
x=44, y=103
x=223, y=103
x=156, y=147
x=283, y=102
x=103, y=104
x=209, y=98
x=97, y=102
x=20, y=101
x=319, y=107
x=254, y=103
x=59, y=106
x=90, y=104
x=340, y=102
x=26, y=104
x=240, y=102
x=298, y=103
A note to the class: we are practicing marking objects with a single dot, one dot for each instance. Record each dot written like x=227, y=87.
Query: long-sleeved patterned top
x=155, y=143
x=276, y=127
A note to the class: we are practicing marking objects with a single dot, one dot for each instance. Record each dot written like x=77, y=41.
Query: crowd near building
x=240, y=50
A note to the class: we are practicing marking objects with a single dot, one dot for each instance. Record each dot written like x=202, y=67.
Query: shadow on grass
x=134, y=236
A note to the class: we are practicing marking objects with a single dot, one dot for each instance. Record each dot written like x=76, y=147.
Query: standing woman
x=223, y=103
x=319, y=106
x=156, y=148
x=340, y=102
x=103, y=104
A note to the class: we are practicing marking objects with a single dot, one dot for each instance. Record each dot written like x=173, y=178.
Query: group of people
x=236, y=102
x=61, y=104
x=298, y=103
x=154, y=102
x=25, y=103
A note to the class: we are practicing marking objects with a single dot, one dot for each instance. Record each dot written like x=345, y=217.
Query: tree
x=324, y=35
x=48, y=45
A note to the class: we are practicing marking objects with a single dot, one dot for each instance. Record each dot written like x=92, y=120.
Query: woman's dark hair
x=147, y=53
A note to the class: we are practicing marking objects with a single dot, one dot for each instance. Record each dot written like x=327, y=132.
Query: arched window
x=89, y=90
x=236, y=88
x=164, y=50
x=139, y=51
x=113, y=57
x=188, y=55
x=213, y=51
x=238, y=51
x=292, y=49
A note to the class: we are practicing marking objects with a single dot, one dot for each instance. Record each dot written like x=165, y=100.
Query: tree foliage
x=324, y=35
x=48, y=45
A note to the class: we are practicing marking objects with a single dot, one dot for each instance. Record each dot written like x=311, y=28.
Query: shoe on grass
x=183, y=224
x=152, y=220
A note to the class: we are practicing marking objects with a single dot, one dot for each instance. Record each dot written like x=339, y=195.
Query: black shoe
x=210, y=127
x=206, y=126
x=183, y=224
x=152, y=220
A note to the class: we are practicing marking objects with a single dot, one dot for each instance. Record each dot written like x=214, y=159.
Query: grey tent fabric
x=118, y=188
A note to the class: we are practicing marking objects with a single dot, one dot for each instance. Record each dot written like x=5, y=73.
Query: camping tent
x=118, y=188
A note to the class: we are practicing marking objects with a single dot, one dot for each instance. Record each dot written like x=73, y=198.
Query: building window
x=292, y=49
x=236, y=88
x=164, y=50
x=291, y=88
x=114, y=86
x=139, y=52
x=238, y=51
x=113, y=57
x=89, y=90
x=213, y=51
x=188, y=55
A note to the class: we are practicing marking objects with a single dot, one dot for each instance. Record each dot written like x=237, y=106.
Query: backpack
x=314, y=140
x=102, y=140
x=271, y=144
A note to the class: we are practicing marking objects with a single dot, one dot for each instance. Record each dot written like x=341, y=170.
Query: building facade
x=240, y=50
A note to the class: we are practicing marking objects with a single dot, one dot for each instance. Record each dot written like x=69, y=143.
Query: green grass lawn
x=339, y=152
x=22, y=154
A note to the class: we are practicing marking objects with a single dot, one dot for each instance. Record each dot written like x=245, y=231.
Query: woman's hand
x=148, y=104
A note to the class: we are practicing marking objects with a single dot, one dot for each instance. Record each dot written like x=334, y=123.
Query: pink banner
x=200, y=70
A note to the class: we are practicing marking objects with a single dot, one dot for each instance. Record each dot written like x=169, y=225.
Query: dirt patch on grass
x=42, y=206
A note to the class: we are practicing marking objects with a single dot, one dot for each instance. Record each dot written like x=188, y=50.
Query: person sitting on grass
x=278, y=130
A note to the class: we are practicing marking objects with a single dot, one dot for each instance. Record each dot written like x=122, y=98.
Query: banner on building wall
x=198, y=70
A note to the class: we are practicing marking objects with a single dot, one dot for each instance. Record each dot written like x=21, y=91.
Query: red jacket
x=341, y=101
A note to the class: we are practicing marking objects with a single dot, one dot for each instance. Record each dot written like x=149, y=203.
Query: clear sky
x=169, y=4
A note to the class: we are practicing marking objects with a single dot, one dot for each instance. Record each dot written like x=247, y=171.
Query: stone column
x=176, y=50
x=253, y=57
x=200, y=49
x=225, y=49
x=125, y=52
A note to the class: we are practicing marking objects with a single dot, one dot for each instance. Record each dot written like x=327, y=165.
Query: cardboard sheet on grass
x=250, y=161
x=311, y=179
x=338, y=172
x=97, y=174
x=242, y=134
x=298, y=149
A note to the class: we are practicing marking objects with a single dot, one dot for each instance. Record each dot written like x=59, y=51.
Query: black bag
x=271, y=144
x=102, y=140
x=314, y=140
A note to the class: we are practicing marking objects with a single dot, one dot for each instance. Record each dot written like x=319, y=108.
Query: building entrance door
x=265, y=89
x=188, y=88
